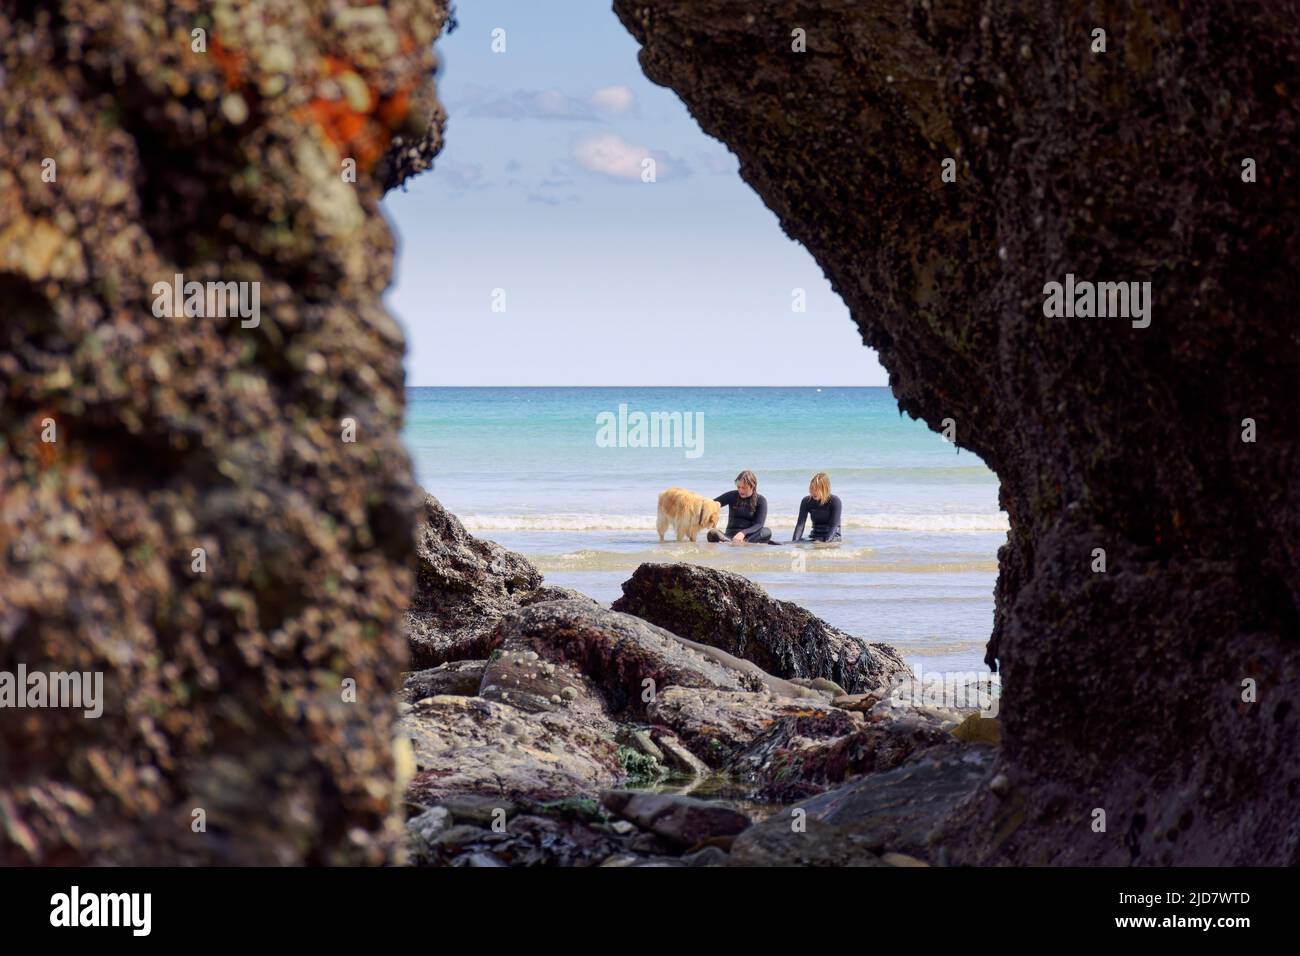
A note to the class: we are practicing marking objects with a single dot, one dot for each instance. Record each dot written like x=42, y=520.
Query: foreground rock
x=621, y=830
x=682, y=821
x=1106, y=437
x=899, y=811
x=734, y=614
x=566, y=681
x=520, y=677
x=574, y=699
x=543, y=722
x=630, y=660
x=551, y=593
x=454, y=677
x=195, y=529
x=469, y=745
x=718, y=724
x=804, y=755
x=463, y=587
x=563, y=833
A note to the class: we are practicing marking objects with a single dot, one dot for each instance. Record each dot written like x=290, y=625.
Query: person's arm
x=803, y=517
x=835, y=518
x=760, y=517
x=727, y=498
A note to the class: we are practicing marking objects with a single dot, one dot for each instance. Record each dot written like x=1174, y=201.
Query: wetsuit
x=825, y=519
x=745, y=516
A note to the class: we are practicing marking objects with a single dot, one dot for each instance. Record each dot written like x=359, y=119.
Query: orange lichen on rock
x=393, y=110
x=360, y=134
x=229, y=61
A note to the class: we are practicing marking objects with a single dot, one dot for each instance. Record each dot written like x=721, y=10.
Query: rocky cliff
x=211, y=509
x=1159, y=692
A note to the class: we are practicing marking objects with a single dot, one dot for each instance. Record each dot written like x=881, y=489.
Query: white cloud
x=614, y=100
x=552, y=103
x=611, y=155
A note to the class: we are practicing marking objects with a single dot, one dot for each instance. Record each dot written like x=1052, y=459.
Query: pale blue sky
x=608, y=280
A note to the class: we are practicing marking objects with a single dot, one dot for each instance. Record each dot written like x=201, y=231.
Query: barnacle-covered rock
x=181, y=508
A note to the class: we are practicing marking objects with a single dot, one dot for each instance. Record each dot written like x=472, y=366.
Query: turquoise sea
x=563, y=476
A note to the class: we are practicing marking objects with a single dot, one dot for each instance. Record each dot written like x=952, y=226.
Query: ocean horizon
x=570, y=476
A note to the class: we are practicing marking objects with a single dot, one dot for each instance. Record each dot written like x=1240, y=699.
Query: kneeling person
x=824, y=509
x=746, y=513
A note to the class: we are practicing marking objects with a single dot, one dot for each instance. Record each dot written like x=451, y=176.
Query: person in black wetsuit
x=824, y=509
x=746, y=512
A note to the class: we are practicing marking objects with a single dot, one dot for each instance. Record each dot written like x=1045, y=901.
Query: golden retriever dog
x=687, y=512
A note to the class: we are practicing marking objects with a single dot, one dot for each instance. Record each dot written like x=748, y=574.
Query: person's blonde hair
x=820, y=486
x=750, y=479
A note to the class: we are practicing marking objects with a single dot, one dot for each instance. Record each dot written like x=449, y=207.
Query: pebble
x=234, y=109
x=430, y=823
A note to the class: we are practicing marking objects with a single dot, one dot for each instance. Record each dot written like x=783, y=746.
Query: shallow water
x=932, y=599
x=719, y=787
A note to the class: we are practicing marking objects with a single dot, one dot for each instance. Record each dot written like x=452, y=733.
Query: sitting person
x=824, y=509
x=746, y=512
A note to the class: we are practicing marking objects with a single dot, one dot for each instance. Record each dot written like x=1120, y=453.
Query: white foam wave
x=756, y=560
x=935, y=521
